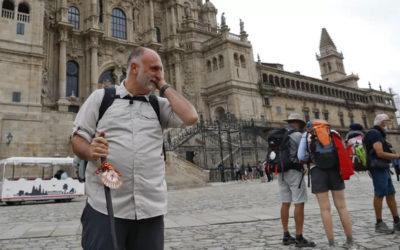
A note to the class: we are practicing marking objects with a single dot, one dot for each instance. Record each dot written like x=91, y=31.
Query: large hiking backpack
x=321, y=145
x=108, y=99
x=328, y=150
x=278, y=156
x=356, y=151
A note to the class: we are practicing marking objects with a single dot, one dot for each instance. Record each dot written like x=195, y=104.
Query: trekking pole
x=302, y=178
x=111, y=178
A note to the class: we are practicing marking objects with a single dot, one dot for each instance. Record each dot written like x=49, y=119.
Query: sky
x=289, y=32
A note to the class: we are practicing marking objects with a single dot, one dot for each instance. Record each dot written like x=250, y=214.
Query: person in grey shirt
x=292, y=187
x=133, y=145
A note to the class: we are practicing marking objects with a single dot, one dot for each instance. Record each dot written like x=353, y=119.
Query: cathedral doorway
x=219, y=113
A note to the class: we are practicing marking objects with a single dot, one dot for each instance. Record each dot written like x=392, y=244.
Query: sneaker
x=396, y=226
x=381, y=227
x=304, y=243
x=288, y=240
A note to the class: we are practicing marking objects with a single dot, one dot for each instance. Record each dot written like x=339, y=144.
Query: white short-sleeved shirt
x=135, y=142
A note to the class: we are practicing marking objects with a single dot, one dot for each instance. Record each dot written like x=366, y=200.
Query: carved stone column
x=94, y=17
x=178, y=73
x=94, y=68
x=173, y=20
x=151, y=16
x=62, y=71
x=64, y=11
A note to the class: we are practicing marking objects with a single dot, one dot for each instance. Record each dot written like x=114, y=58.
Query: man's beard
x=145, y=80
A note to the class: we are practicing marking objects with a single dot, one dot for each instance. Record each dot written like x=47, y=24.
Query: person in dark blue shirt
x=377, y=147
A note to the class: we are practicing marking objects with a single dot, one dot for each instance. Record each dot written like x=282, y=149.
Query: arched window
x=158, y=35
x=107, y=78
x=264, y=78
x=221, y=61
x=209, y=68
x=118, y=24
x=7, y=9
x=23, y=13
x=271, y=79
x=23, y=8
x=242, y=61
x=100, y=9
x=72, y=79
x=215, y=64
x=73, y=17
x=236, y=60
x=276, y=80
x=329, y=67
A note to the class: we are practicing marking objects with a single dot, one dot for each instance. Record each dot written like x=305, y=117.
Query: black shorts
x=131, y=234
x=325, y=179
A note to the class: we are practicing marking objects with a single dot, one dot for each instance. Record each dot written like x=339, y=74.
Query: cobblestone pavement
x=221, y=216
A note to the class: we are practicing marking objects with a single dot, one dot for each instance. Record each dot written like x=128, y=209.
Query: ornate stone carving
x=75, y=2
x=63, y=35
x=46, y=91
x=223, y=19
x=158, y=18
x=241, y=23
x=93, y=42
x=121, y=49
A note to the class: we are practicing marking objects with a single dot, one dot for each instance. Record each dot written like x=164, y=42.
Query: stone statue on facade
x=241, y=25
x=223, y=19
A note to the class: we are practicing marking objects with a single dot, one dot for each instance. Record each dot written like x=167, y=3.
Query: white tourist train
x=38, y=178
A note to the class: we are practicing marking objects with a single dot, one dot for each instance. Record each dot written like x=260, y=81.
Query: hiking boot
x=304, y=243
x=381, y=227
x=396, y=226
x=349, y=246
x=288, y=240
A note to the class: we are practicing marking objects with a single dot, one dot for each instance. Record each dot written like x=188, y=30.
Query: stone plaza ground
x=234, y=215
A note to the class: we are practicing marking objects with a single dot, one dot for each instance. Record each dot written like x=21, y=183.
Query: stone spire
x=331, y=63
x=326, y=41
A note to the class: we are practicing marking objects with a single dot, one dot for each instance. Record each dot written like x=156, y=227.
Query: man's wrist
x=163, y=88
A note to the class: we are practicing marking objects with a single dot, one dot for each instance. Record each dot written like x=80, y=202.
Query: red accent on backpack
x=345, y=164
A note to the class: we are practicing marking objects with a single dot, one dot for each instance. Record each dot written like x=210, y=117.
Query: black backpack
x=108, y=99
x=278, y=156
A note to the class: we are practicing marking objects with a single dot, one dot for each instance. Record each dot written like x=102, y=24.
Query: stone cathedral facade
x=54, y=53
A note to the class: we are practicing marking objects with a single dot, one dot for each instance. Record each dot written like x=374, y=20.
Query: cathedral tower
x=331, y=63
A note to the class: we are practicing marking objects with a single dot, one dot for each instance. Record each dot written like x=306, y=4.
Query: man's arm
x=181, y=106
x=378, y=148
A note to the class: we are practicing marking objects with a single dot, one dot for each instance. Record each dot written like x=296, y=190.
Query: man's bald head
x=137, y=54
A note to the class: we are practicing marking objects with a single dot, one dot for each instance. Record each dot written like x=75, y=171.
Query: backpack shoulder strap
x=108, y=99
x=156, y=106
x=154, y=103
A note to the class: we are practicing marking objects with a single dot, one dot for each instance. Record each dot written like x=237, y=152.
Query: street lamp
x=9, y=138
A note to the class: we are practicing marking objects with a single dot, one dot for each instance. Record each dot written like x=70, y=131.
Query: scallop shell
x=111, y=179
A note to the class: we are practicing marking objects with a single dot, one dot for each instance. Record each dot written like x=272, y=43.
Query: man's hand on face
x=159, y=81
x=98, y=148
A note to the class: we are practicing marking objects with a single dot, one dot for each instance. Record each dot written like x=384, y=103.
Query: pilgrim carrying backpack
x=325, y=154
x=278, y=155
x=108, y=99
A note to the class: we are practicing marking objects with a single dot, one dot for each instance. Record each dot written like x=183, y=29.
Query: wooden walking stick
x=111, y=179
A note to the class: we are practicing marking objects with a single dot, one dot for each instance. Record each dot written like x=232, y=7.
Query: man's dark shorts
x=382, y=181
x=323, y=180
x=131, y=234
